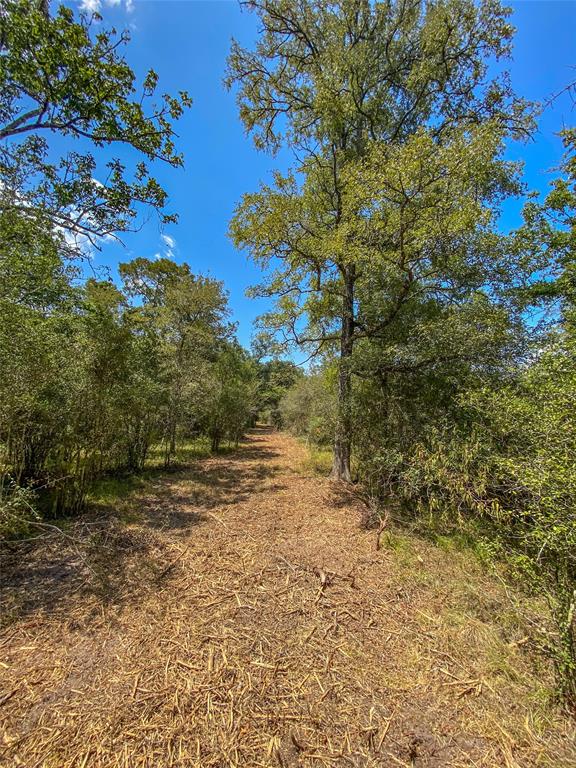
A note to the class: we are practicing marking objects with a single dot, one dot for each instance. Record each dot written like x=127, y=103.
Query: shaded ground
x=237, y=614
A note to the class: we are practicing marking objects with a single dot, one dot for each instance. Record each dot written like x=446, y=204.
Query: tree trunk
x=343, y=437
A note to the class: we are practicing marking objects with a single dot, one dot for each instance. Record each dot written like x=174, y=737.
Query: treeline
x=443, y=347
x=485, y=454
x=94, y=375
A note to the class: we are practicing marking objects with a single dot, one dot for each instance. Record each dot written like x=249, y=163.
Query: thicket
x=93, y=374
x=483, y=445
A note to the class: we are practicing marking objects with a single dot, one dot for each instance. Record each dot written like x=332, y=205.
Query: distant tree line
x=94, y=375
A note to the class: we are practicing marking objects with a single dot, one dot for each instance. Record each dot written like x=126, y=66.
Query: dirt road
x=255, y=624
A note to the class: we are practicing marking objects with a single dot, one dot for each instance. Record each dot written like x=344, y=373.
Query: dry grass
x=242, y=617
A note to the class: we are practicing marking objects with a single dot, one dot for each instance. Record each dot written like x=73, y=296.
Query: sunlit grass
x=186, y=451
x=113, y=489
x=318, y=460
x=106, y=490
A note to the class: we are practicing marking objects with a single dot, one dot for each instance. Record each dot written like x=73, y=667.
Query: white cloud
x=90, y=6
x=95, y=6
x=169, y=246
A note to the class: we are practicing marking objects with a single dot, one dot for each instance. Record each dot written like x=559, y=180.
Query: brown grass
x=242, y=617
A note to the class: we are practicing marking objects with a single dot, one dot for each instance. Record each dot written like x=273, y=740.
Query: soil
x=243, y=616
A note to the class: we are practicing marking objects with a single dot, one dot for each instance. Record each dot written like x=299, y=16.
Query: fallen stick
x=170, y=566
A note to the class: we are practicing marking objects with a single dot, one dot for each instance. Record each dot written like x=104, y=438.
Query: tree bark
x=343, y=436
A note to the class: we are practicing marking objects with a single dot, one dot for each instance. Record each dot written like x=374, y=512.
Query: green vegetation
x=96, y=377
x=399, y=136
x=275, y=378
x=480, y=447
x=444, y=348
x=101, y=377
x=65, y=75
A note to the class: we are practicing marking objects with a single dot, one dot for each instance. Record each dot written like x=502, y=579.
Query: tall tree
x=330, y=80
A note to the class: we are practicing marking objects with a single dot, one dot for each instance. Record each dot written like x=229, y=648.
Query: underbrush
x=318, y=460
x=477, y=630
x=449, y=500
x=533, y=596
x=22, y=508
x=17, y=508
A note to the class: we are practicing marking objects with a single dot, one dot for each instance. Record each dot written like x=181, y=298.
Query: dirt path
x=273, y=633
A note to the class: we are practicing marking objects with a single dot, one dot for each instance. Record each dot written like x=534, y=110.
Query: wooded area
x=440, y=350
x=447, y=347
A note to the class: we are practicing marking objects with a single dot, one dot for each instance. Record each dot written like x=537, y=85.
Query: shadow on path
x=112, y=552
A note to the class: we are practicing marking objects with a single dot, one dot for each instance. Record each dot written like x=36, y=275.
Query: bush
x=501, y=464
x=308, y=409
x=17, y=510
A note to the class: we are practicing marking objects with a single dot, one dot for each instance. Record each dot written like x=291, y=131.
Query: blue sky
x=187, y=42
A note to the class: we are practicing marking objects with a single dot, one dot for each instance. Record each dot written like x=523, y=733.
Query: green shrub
x=17, y=510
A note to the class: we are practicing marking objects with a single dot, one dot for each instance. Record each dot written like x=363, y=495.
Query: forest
x=422, y=355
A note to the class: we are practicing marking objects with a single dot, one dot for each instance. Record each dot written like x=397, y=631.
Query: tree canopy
x=349, y=84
